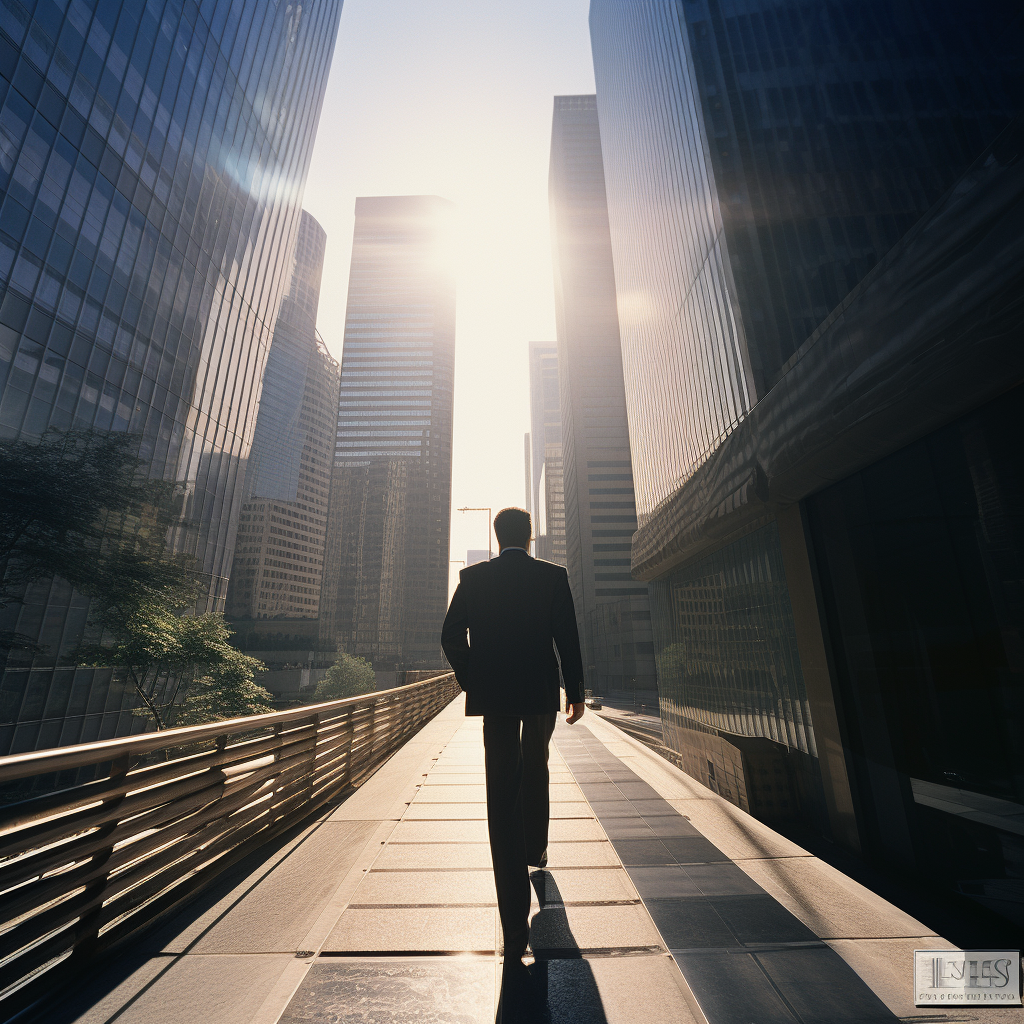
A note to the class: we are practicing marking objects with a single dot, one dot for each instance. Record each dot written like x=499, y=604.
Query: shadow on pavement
x=559, y=988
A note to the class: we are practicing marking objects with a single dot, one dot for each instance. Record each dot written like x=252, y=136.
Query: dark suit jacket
x=513, y=607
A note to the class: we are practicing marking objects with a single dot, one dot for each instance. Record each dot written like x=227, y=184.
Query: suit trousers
x=516, y=764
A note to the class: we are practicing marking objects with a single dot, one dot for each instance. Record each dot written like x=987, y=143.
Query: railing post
x=312, y=757
x=87, y=928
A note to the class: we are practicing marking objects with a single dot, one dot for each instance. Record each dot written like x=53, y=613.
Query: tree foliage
x=226, y=691
x=76, y=505
x=175, y=660
x=347, y=677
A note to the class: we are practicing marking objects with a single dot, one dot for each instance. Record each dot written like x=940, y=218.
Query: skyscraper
x=527, y=463
x=613, y=609
x=818, y=263
x=386, y=575
x=152, y=171
x=279, y=553
x=546, y=445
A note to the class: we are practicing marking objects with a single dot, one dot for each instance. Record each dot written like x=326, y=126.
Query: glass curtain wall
x=152, y=166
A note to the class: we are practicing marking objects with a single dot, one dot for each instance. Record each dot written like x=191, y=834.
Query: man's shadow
x=560, y=985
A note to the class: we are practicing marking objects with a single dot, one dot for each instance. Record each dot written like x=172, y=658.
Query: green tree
x=77, y=505
x=228, y=690
x=171, y=658
x=347, y=677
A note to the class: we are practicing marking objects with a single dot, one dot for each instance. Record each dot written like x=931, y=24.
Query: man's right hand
x=576, y=713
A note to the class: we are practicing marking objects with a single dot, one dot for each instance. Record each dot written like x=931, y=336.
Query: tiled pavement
x=661, y=902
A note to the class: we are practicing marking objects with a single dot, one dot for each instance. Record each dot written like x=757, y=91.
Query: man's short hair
x=513, y=528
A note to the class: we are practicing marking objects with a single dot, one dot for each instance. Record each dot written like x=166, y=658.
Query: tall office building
x=550, y=517
x=527, y=462
x=818, y=261
x=152, y=168
x=546, y=453
x=613, y=609
x=386, y=576
x=279, y=552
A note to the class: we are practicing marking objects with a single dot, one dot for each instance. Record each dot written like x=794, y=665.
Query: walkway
x=662, y=902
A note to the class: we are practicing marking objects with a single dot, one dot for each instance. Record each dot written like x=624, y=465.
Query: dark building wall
x=600, y=508
x=151, y=177
x=921, y=558
x=386, y=574
x=853, y=184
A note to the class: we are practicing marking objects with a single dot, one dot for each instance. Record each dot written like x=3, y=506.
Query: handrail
x=125, y=829
x=40, y=762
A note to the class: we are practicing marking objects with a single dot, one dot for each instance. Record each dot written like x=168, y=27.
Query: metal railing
x=88, y=864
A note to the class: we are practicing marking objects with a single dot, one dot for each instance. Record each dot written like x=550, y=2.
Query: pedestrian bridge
x=331, y=864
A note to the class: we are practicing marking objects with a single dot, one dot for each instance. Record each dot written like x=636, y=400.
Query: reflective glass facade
x=761, y=157
x=831, y=560
x=152, y=164
x=683, y=351
x=600, y=510
x=386, y=576
x=279, y=553
x=272, y=469
x=733, y=698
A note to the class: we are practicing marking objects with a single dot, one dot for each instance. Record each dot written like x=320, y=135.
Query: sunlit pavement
x=661, y=902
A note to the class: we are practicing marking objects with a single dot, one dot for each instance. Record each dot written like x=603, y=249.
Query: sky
x=454, y=98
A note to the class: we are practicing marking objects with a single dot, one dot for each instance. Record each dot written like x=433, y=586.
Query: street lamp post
x=488, y=511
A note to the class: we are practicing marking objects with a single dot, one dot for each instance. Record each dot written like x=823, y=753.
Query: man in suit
x=505, y=621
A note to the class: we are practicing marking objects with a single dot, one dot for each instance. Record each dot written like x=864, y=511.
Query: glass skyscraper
x=600, y=510
x=279, y=553
x=546, y=453
x=152, y=164
x=818, y=263
x=386, y=576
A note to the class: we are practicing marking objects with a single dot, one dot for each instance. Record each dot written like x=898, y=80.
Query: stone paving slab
x=422, y=929
x=199, y=989
x=272, y=908
x=394, y=992
x=438, y=884
x=433, y=831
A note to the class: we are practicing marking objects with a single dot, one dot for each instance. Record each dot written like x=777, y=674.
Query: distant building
x=550, y=529
x=279, y=551
x=546, y=445
x=152, y=161
x=386, y=575
x=816, y=229
x=613, y=609
x=527, y=460
x=476, y=555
